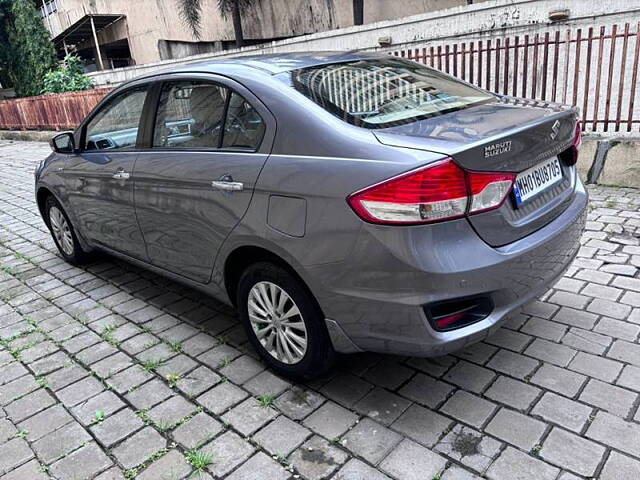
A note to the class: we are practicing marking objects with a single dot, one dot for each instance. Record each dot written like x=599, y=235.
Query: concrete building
x=131, y=32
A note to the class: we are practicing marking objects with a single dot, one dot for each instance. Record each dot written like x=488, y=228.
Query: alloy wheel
x=277, y=322
x=61, y=230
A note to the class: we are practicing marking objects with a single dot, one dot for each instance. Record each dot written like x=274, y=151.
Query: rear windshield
x=381, y=93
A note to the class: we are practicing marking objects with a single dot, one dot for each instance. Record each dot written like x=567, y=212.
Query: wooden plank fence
x=60, y=111
x=594, y=68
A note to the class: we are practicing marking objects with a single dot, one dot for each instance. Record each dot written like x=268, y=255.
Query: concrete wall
x=152, y=20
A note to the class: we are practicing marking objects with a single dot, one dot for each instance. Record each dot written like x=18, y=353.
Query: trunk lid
x=508, y=135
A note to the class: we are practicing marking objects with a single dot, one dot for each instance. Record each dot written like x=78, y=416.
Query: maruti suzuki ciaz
x=342, y=202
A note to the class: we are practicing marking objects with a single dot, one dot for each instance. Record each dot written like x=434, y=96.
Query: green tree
x=26, y=51
x=68, y=77
x=191, y=13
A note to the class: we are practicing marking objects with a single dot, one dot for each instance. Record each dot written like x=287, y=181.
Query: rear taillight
x=441, y=191
x=577, y=139
x=570, y=155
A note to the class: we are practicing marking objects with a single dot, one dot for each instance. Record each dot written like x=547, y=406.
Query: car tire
x=256, y=284
x=63, y=233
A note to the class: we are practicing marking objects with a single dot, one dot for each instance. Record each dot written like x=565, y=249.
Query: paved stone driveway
x=110, y=371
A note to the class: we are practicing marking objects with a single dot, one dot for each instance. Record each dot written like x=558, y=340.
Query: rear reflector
x=441, y=191
x=452, y=314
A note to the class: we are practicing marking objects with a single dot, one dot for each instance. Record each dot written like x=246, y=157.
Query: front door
x=98, y=179
x=196, y=181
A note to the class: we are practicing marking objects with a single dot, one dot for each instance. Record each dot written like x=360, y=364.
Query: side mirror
x=63, y=143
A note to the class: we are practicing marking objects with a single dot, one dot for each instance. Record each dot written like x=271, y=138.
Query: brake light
x=441, y=191
x=577, y=139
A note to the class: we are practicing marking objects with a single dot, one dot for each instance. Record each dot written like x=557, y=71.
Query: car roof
x=269, y=64
x=275, y=63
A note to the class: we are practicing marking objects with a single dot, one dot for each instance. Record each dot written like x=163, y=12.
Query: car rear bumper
x=375, y=300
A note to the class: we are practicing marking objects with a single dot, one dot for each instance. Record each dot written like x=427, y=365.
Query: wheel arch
x=243, y=256
x=42, y=193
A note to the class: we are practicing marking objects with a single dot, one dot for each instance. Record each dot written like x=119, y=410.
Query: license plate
x=537, y=179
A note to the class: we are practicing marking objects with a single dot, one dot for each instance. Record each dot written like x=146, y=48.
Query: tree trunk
x=237, y=24
x=358, y=12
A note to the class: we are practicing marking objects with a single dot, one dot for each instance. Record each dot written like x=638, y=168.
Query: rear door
x=98, y=179
x=195, y=180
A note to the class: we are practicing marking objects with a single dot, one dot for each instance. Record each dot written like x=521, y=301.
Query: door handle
x=227, y=184
x=121, y=175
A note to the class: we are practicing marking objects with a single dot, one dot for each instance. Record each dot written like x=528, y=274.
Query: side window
x=244, y=128
x=116, y=124
x=190, y=115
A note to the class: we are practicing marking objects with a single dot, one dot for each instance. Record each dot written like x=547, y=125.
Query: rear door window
x=244, y=127
x=190, y=115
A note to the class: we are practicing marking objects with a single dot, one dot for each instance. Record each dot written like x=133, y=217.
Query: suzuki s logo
x=497, y=149
x=555, y=129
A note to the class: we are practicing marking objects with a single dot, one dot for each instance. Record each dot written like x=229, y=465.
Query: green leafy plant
x=199, y=460
x=265, y=400
x=68, y=77
x=151, y=365
x=26, y=51
x=99, y=416
x=173, y=378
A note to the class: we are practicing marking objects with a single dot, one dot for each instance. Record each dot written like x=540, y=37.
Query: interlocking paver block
x=572, y=452
x=149, y=394
x=171, y=465
x=608, y=397
x=14, y=453
x=382, y=405
x=601, y=368
x=469, y=447
x=468, y=408
x=513, y=364
x=331, y=420
x=266, y=383
x=82, y=463
x=249, y=416
x=356, y=470
x=117, y=427
x=221, y=397
x=516, y=429
x=370, y=440
x=79, y=391
x=281, y=436
x=426, y=390
x=260, y=466
x=422, y=425
x=411, y=461
x=346, y=389
x=620, y=467
x=28, y=405
x=171, y=411
x=469, y=376
x=197, y=431
x=559, y=380
x=31, y=470
x=514, y=464
x=137, y=448
x=298, y=402
x=512, y=392
x=60, y=442
x=229, y=451
x=106, y=402
x=317, y=459
x=567, y=413
x=615, y=432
